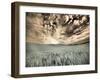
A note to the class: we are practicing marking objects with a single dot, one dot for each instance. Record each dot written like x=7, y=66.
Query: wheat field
x=38, y=55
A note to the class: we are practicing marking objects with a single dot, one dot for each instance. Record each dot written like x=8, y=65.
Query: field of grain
x=38, y=55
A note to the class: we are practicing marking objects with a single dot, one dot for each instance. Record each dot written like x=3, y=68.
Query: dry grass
x=56, y=55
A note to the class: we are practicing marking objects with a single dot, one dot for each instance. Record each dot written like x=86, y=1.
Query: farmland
x=38, y=55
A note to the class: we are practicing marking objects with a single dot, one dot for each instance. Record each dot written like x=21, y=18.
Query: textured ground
x=56, y=54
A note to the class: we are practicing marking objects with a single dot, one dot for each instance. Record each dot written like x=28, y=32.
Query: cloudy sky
x=45, y=28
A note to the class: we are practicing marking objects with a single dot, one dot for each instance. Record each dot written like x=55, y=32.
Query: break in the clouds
x=50, y=28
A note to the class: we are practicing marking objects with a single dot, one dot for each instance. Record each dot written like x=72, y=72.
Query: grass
x=38, y=55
